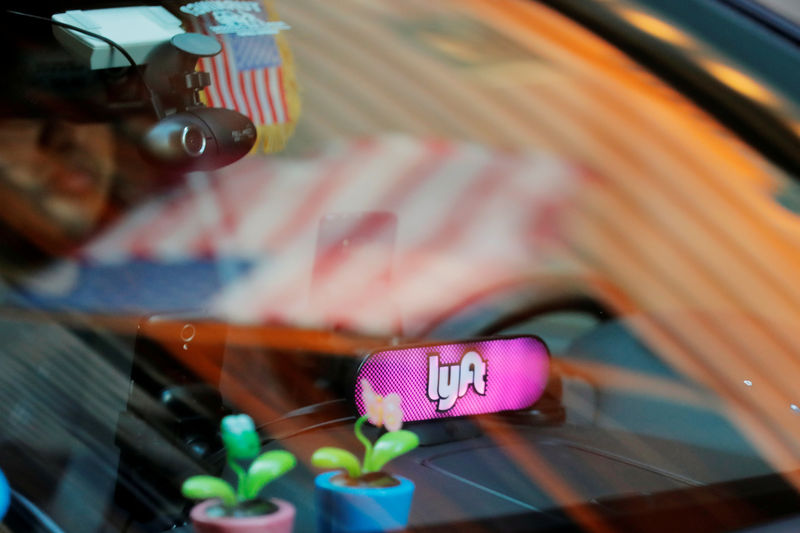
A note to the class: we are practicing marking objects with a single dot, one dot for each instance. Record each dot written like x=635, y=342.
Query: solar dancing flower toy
x=241, y=509
x=358, y=495
x=381, y=411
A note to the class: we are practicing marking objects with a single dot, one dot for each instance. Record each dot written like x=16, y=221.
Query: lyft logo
x=449, y=382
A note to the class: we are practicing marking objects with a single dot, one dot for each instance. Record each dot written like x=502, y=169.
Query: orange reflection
x=676, y=225
x=656, y=27
x=740, y=82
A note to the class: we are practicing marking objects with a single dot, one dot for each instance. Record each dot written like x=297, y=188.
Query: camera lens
x=193, y=141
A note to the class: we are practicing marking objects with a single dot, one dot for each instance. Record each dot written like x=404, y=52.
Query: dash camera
x=189, y=135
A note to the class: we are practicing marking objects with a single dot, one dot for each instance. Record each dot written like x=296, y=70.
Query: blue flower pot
x=347, y=509
x=5, y=495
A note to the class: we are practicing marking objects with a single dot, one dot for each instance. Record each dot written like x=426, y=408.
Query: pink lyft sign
x=465, y=378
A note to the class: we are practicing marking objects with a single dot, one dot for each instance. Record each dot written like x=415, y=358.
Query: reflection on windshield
x=56, y=178
x=786, y=8
x=478, y=168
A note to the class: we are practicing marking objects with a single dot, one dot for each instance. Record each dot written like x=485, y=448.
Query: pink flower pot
x=281, y=521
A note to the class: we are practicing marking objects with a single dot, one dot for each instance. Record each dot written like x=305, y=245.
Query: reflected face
x=55, y=179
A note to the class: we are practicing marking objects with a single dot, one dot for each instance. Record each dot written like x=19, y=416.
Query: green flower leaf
x=390, y=446
x=266, y=468
x=329, y=457
x=240, y=437
x=205, y=487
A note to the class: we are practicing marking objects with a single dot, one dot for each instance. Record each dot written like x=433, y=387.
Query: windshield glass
x=389, y=174
x=786, y=8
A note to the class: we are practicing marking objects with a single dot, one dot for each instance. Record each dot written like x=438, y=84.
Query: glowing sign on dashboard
x=458, y=379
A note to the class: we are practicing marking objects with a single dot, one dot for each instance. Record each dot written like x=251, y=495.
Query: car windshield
x=786, y=8
x=543, y=254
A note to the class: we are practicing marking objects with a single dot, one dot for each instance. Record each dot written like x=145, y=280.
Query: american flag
x=465, y=221
x=248, y=76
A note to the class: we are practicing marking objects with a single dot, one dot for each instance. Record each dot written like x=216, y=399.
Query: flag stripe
x=275, y=90
x=263, y=93
x=212, y=94
x=331, y=180
x=249, y=101
x=219, y=72
x=217, y=69
x=206, y=65
x=261, y=118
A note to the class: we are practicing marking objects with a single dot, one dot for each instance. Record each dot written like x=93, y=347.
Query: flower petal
x=392, y=413
x=375, y=411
